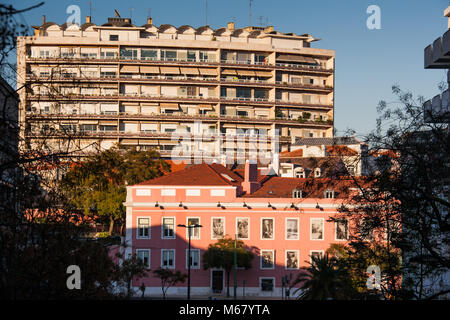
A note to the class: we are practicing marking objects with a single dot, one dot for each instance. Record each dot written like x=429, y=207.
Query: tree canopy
x=97, y=186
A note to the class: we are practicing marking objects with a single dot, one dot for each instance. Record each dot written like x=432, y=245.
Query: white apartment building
x=121, y=83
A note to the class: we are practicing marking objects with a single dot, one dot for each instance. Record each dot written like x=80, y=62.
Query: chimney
x=88, y=19
x=149, y=21
x=447, y=14
x=230, y=25
x=223, y=160
x=276, y=162
x=43, y=19
x=250, y=183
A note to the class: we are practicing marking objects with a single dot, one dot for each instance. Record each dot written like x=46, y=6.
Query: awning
x=88, y=122
x=170, y=70
x=189, y=71
x=295, y=58
x=205, y=107
x=129, y=141
x=108, y=123
x=246, y=73
x=143, y=142
x=263, y=73
x=244, y=108
x=153, y=70
x=130, y=69
x=229, y=72
x=170, y=106
x=208, y=72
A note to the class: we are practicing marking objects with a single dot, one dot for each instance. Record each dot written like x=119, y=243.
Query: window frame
x=149, y=256
x=336, y=230
x=285, y=259
x=138, y=227
x=224, y=227
x=193, y=229
x=187, y=258
x=261, y=228
x=310, y=229
x=285, y=228
x=162, y=258
x=266, y=278
x=261, y=259
x=174, y=227
x=248, y=227
x=322, y=252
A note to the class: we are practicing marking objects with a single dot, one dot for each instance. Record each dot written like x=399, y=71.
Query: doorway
x=217, y=281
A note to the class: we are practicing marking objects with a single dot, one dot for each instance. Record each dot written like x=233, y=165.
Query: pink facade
x=282, y=231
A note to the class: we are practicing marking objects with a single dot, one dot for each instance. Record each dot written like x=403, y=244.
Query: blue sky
x=368, y=62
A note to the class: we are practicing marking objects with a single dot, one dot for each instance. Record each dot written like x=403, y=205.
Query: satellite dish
x=116, y=13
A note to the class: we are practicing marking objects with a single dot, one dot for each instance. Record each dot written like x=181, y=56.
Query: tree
x=407, y=192
x=169, y=278
x=324, y=279
x=97, y=186
x=221, y=255
x=357, y=256
x=130, y=268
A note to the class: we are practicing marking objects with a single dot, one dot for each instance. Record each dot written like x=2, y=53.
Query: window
x=144, y=228
x=88, y=127
x=328, y=194
x=168, y=228
x=108, y=128
x=144, y=255
x=317, y=172
x=351, y=170
x=113, y=37
x=292, y=259
x=194, y=260
x=168, y=55
x=128, y=54
x=316, y=254
x=266, y=284
x=267, y=259
x=341, y=230
x=168, y=258
x=300, y=174
x=267, y=228
x=217, y=228
x=292, y=228
x=366, y=231
x=191, y=56
x=242, y=228
x=149, y=54
x=194, y=232
x=296, y=193
x=317, y=229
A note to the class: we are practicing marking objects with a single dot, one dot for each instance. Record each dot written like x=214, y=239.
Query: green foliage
x=357, y=256
x=97, y=186
x=221, y=255
x=169, y=278
x=324, y=279
x=131, y=268
x=306, y=115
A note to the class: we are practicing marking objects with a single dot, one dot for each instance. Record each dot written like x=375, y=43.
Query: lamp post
x=189, y=227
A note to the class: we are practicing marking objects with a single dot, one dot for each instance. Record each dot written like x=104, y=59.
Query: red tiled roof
x=198, y=175
x=291, y=154
x=341, y=151
x=280, y=187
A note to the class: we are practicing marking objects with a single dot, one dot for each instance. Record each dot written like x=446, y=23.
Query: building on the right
x=437, y=56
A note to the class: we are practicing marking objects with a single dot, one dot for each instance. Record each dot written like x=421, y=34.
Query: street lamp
x=189, y=227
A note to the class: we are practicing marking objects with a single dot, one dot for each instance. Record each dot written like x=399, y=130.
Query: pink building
x=285, y=220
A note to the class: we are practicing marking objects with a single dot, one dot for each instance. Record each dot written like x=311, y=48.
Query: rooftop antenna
x=131, y=13
x=250, y=12
x=260, y=21
x=149, y=15
x=116, y=13
x=90, y=8
x=206, y=12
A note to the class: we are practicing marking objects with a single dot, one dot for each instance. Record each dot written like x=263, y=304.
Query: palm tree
x=324, y=279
